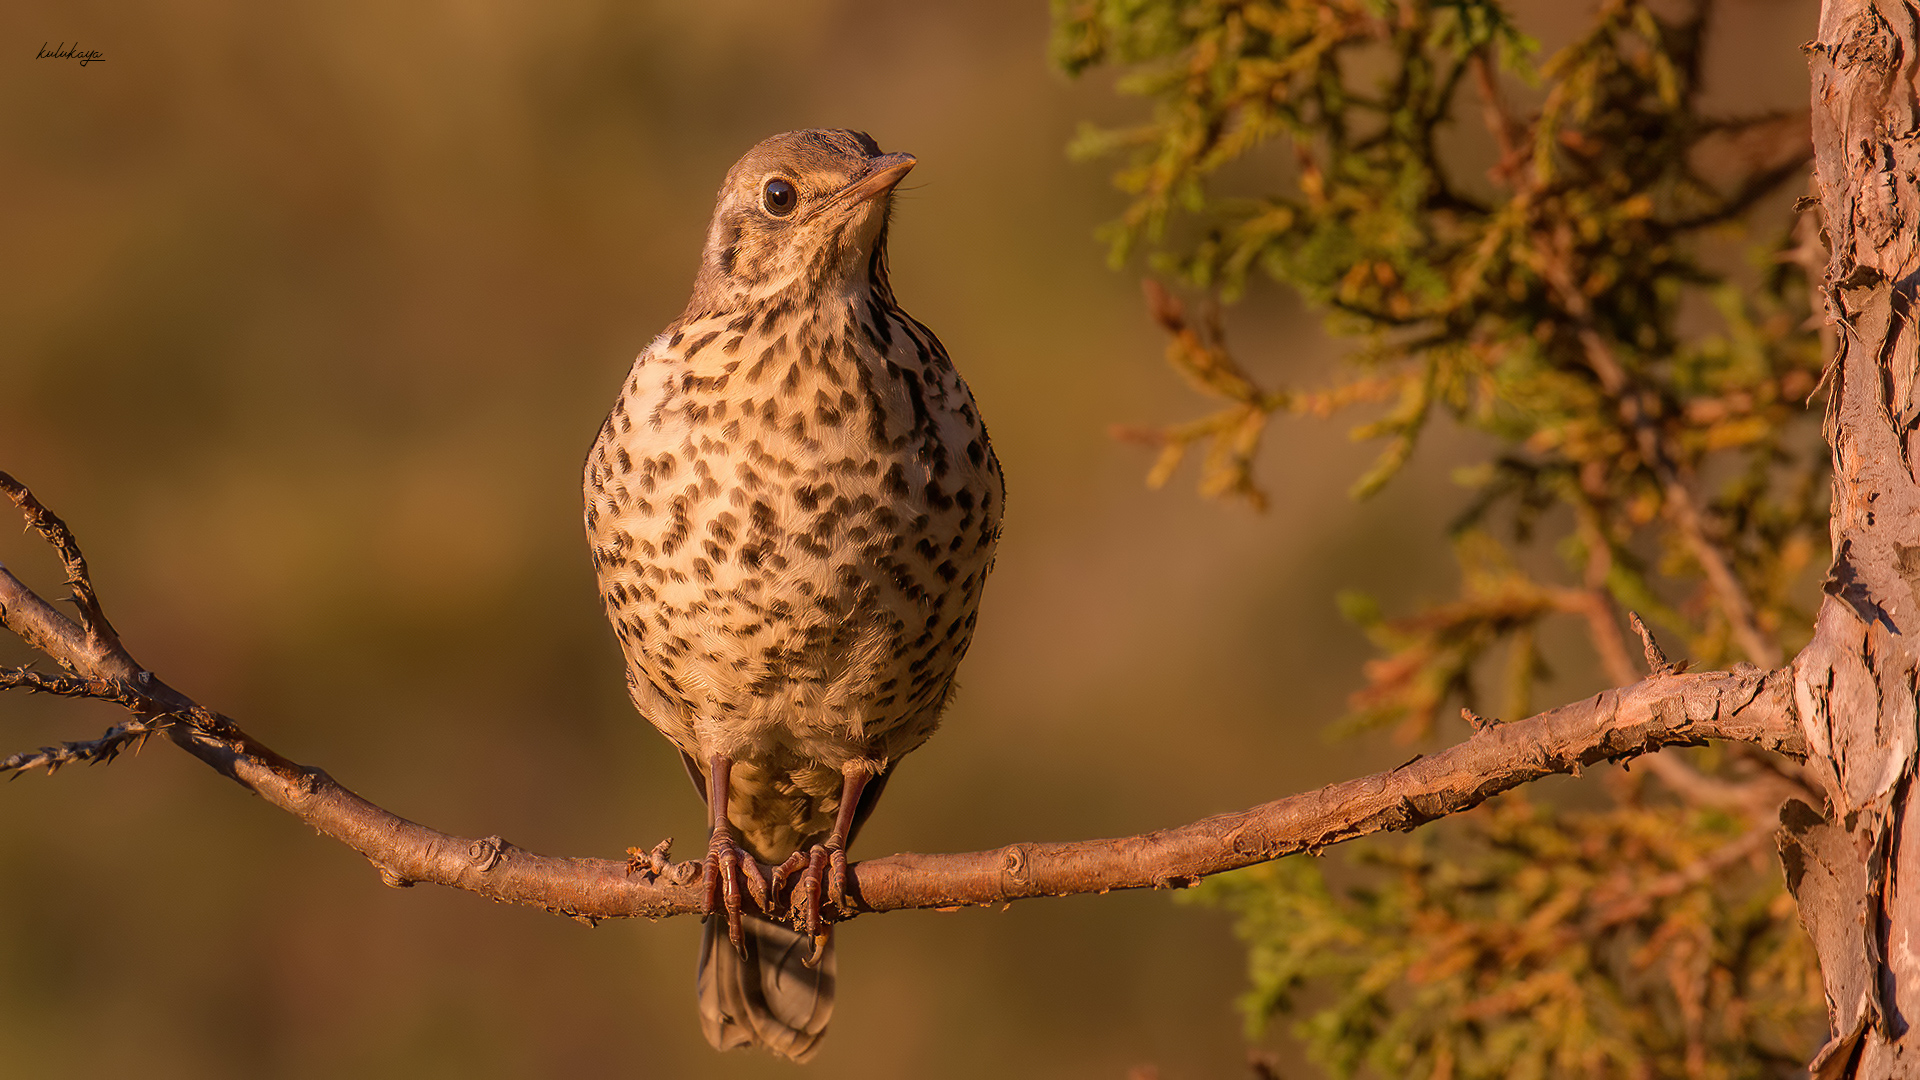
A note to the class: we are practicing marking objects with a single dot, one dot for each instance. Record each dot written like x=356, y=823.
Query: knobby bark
x=1854, y=869
x=1667, y=709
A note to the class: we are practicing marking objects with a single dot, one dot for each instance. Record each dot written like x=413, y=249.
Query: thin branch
x=1756, y=187
x=148, y=719
x=1678, y=500
x=133, y=732
x=1759, y=797
x=93, y=621
x=1507, y=132
x=1641, y=900
x=116, y=691
x=1657, y=662
x=1748, y=705
x=1595, y=606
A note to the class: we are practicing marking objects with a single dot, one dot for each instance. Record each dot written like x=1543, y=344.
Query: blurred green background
x=310, y=312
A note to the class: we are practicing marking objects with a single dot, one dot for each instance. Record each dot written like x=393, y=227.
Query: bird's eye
x=779, y=197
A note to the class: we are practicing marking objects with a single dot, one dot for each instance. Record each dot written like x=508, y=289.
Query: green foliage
x=1536, y=249
x=1431, y=656
x=1542, y=944
x=1560, y=305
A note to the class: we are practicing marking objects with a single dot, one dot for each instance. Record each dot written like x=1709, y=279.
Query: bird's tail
x=767, y=997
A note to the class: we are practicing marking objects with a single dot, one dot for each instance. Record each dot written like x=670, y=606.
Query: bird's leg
x=851, y=788
x=731, y=868
x=823, y=868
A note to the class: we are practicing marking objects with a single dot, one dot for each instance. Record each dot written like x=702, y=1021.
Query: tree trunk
x=1856, y=873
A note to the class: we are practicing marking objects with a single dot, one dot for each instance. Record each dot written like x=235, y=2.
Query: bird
x=793, y=508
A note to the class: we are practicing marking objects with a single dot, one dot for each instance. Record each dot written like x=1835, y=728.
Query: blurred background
x=310, y=312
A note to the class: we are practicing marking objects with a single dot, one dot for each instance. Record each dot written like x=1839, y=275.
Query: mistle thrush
x=793, y=508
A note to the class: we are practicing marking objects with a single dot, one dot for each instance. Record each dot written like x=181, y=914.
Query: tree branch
x=1759, y=797
x=1678, y=500
x=1748, y=705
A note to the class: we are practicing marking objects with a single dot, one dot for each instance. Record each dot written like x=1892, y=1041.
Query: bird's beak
x=882, y=173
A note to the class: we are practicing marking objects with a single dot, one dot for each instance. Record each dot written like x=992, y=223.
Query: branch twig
x=93, y=621
x=1677, y=499
x=134, y=732
x=1679, y=502
x=1657, y=662
x=1748, y=705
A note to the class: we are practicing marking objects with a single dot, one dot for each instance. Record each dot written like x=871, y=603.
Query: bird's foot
x=822, y=871
x=732, y=871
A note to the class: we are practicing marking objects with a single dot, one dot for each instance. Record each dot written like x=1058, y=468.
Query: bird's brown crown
x=803, y=210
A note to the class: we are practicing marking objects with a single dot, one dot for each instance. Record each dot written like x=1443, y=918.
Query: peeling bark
x=1853, y=872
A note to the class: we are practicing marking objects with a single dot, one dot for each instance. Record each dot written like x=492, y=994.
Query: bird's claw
x=731, y=871
x=822, y=879
x=795, y=862
x=837, y=882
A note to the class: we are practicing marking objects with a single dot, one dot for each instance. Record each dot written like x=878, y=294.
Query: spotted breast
x=792, y=508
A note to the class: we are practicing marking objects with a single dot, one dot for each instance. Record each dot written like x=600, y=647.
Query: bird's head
x=805, y=208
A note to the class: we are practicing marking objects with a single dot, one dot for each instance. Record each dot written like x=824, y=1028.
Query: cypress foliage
x=1566, y=253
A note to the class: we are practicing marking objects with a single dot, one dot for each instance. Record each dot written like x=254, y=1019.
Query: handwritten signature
x=63, y=51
